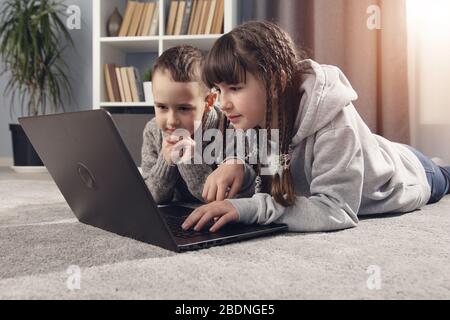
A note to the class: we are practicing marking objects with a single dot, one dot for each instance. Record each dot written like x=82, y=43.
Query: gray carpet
x=40, y=240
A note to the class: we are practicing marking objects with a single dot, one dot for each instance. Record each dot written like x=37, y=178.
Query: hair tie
x=285, y=159
x=258, y=184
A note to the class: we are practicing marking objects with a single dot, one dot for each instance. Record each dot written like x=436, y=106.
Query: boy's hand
x=224, y=182
x=177, y=150
x=221, y=212
x=167, y=147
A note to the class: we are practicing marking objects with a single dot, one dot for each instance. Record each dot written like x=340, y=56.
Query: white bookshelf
x=118, y=49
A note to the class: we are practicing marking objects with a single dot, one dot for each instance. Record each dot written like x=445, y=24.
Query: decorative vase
x=148, y=93
x=23, y=151
x=113, y=24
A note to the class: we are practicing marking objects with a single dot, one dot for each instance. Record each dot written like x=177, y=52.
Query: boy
x=181, y=98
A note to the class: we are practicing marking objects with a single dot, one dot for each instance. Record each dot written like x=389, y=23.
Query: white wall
x=429, y=62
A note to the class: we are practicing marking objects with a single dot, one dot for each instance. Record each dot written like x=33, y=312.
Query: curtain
x=337, y=32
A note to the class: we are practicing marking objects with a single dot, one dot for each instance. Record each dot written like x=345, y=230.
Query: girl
x=332, y=167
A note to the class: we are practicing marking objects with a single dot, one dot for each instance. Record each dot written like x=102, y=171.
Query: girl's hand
x=222, y=212
x=224, y=182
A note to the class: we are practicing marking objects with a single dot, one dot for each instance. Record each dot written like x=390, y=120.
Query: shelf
x=135, y=44
x=124, y=104
x=203, y=42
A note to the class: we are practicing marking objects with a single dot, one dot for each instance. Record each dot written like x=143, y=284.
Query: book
x=191, y=19
x=114, y=82
x=108, y=84
x=212, y=11
x=187, y=16
x=126, y=85
x=144, y=19
x=139, y=84
x=171, y=17
x=141, y=23
x=204, y=18
x=132, y=82
x=125, y=26
x=179, y=19
x=155, y=21
x=120, y=83
x=148, y=18
x=136, y=20
x=198, y=15
x=218, y=17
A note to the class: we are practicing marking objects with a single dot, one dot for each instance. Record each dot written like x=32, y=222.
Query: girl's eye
x=235, y=88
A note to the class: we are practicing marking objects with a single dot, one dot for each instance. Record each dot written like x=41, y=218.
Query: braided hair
x=267, y=52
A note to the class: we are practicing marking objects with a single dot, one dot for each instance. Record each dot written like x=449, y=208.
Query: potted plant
x=147, y=84
x=32, y=35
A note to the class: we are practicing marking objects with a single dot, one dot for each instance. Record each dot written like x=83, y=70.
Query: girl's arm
x=336, y=189
x=160, y=177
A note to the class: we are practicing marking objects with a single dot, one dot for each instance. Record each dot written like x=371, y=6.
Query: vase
x=23, y=151
x=113, y=24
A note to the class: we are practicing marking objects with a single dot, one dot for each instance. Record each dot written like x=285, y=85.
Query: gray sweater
x=340, y=168
x=183, y=182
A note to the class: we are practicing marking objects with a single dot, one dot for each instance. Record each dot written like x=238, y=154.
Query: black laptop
x=90, y=164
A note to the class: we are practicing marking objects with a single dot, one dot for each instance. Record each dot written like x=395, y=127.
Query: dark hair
x=183, y=62
x=266, y=51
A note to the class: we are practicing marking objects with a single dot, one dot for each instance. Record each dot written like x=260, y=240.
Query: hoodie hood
x=326, y=91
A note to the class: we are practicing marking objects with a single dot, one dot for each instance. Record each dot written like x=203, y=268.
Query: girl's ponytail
x=283, y=188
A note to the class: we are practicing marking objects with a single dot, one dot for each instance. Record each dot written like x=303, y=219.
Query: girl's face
x=244, y=104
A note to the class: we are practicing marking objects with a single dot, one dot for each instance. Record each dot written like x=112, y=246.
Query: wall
x=79, y=61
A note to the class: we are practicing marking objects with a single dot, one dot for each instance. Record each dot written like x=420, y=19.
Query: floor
x=45, y=253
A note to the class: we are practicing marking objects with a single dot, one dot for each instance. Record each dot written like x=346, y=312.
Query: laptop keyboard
x=175, y=223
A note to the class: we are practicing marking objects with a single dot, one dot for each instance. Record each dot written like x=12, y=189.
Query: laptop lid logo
x=86, y=176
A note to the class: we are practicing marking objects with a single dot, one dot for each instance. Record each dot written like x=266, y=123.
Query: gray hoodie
x=340, y=168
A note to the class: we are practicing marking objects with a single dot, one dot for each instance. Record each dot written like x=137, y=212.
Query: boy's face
x=177, y=104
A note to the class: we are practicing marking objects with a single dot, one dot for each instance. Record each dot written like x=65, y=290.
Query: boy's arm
x=195, y=176
x=159, y=177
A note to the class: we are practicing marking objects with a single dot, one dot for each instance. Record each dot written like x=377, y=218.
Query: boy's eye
x=185, y=109
x=161, y=107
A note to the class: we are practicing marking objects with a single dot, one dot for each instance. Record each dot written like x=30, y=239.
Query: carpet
x=47, y=254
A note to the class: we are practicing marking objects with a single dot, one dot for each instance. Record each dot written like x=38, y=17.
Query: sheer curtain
x=342, y=33
x=429, y=76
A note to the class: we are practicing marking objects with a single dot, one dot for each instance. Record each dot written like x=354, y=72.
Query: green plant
x=148, y=75
x=31, y=37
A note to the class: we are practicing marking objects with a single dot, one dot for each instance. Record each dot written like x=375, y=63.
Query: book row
x=123, y=84
x=184, y=17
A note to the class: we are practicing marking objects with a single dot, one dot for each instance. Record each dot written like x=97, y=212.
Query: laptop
x=92, y=167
